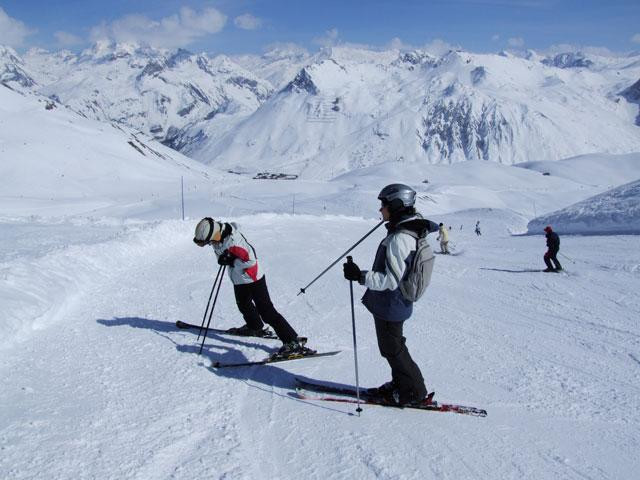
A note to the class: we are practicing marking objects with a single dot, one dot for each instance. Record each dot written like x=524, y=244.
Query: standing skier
x=443, y=236
x=478, y=228
x=553, y=246
x=383, y=297
x=249, y=284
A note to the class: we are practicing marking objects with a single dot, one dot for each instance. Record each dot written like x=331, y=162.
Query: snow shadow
x=513, y=271
x=268, y=378
x=228, y=355
x=138, y=322
x=220, y=348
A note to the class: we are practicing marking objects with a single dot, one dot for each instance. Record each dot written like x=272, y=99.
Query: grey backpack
x=417, y=278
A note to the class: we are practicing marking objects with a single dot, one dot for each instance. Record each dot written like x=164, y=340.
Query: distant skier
x=383, y=297
x=443, y=237
x=249, y=283
x=478, y=228
x=553, y=246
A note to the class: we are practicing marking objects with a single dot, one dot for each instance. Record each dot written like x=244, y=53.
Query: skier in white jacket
x=249, y=283
x=383, y=298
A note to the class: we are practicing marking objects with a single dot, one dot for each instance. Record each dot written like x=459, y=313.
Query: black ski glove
x=226, y=258
x=351, y=272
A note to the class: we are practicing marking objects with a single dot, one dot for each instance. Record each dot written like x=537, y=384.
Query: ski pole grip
x=349, y=259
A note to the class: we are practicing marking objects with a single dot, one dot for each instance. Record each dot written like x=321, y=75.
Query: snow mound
x=616, y=211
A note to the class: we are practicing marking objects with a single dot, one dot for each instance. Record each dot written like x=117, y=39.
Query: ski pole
x=566, y=257
x=208, y=302
x=355, y=346
x=215, y=299
x=303, y=290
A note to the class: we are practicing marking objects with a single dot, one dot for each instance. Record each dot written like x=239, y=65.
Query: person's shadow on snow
x=228, y=354
x=219, y=348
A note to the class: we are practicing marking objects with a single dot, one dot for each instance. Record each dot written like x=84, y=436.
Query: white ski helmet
x=207, y=230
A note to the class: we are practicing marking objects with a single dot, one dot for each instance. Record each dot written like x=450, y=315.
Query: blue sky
x=250, y=26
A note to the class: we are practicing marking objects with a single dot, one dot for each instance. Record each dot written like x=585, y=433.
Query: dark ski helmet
x=548, y=229
x=397, y=196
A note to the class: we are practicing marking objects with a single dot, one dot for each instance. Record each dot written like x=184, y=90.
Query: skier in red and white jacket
x=249, y=283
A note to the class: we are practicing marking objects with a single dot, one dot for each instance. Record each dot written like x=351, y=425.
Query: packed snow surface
x=107, y=387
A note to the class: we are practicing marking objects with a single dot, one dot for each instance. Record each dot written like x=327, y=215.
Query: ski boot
x=401, y=399
x=294, y=349
x=245, y=331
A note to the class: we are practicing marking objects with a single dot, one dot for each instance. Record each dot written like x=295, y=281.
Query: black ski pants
x=255, y=305
x=549, y=257
x=404, y=372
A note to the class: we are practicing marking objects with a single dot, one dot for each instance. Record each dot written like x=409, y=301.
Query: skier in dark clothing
x=249, y=284
x=383, y=297
x=553, y=246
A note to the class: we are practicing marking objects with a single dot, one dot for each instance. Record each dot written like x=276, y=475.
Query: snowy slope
x=111, y=389
x=52, y=157
x=615, y=211
x=602, y=170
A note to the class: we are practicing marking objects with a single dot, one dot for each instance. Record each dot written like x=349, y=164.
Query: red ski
x=347, y=394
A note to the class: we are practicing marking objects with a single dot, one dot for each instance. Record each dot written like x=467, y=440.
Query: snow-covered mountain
x=347, y=107
x=12, y=70
x=616, y=211
x=53, y=159
x=180, y=98
x=355, y=108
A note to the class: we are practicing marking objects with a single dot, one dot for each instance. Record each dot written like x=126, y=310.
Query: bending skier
x=383, y=297
x=553, y=247
x=249, y=284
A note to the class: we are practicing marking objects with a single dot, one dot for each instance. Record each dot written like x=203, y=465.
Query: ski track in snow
x=115, y=391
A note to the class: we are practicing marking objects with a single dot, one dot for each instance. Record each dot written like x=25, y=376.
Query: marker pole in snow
x=355, y=345
x=204, y=317
x=215, y=299
x=303, y=290
x=182, y=195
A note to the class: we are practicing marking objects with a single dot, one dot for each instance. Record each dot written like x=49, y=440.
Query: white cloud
x=65, y=39
x=636, y=38
x=439, y=47
x=329, y=39
x=397, y=44
x=12, y=31
x=285, y=48
x=174, y=31
x=247, y=22
x=586, y=49
x=495, y=38
x=516, y=42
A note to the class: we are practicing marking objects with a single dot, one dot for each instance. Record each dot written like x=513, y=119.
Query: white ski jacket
x=245, y=268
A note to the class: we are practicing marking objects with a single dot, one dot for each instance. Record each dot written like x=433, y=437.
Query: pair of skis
x=306, y=390
x=273, y=358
